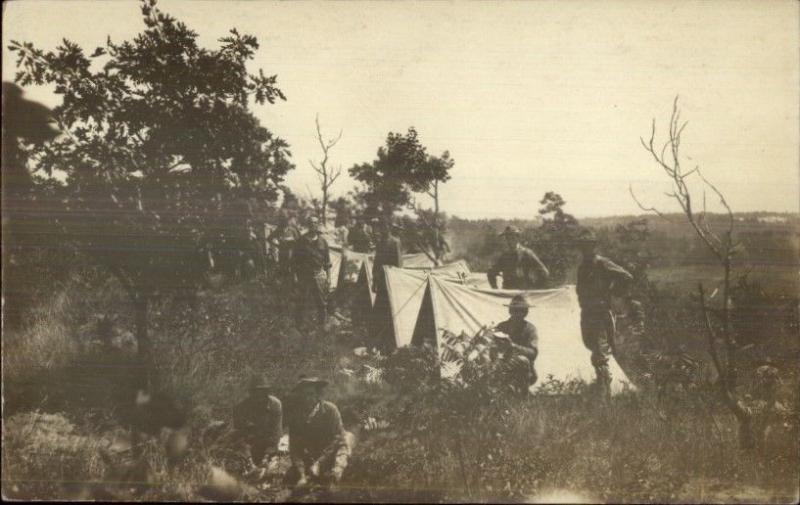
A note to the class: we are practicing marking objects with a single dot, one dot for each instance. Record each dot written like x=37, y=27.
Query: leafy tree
x=26, y=222
x=402, y=167
x=554, y=237
x=433, y=223
x=159, y=151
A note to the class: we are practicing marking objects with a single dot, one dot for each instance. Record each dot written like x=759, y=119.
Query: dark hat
x=519, y=302
x=510, y=230
x=311, y=381
x=259, y=382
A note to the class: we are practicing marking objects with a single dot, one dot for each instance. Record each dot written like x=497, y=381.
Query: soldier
x=341, y=231
x=518, y=342
x=517, y=264
x=598, y=278
x=283, y=238
x=388, y=253
x=360, y=237
x=319, y=446
x=258, y=421
x=312, y=268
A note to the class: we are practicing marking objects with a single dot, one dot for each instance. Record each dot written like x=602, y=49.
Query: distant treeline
x=766, y=238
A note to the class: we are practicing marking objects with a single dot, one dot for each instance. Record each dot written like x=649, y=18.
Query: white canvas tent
x=555, y=313
x=336, y=266
x=357, y=268
x=398, y=301
x=418, y=261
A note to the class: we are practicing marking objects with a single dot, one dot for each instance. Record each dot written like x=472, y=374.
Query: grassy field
x=780, y=278
x=66, y=435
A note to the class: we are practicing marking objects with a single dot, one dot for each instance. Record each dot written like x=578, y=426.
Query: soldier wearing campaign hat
x=258, y=421
x=319, y=446
x=518, y=342
x=312, y=268
x=598, y=279
x=519, y=266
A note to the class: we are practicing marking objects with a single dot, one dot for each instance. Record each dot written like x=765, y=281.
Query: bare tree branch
x=721, y=245
x=326, y=175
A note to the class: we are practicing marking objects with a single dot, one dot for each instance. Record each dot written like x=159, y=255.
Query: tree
x=159, y=151
x=327, y=175
x=721, y=244
x=25, y=219
x=554, y=237
x=402, y=167
x=438, y=171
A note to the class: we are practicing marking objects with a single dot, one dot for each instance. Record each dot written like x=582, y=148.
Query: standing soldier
x=312, y=268
x=319, y=446
x=360, y=237
x=518, y=265
x=598, y=278
x=284, y=238
x=258, y=421
x=387, y=253
x=519, y=343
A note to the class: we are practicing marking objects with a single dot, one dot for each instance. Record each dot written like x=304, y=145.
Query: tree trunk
x=324, y=216
x=725, y=371
x=437, y=250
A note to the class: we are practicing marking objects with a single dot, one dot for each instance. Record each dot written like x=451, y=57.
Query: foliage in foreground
x=463, y=439
x=472, y=439
x=159, y=147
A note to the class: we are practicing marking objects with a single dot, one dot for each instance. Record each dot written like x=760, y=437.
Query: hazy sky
x=527, y=96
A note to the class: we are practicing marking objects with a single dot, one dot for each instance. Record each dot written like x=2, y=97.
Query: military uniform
x=521, y=367
x=318, y=437
x=258, y=421
x=517, y=268
x=596, y=278
x=284, y=239
x=312, y=264
x=360, y=239
x=388, y=253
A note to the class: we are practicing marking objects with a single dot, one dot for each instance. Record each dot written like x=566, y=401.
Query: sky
x=528, y=97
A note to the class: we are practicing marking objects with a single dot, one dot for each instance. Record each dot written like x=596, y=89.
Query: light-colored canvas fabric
x=555, y=313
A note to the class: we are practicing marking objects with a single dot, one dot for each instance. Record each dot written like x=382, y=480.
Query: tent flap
x=555, y=313
x=403, y=290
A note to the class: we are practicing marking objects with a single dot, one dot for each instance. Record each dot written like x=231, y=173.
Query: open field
x=780, y=278
x=641, y=447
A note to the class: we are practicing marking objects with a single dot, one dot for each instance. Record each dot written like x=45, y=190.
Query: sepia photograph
x=542, y=251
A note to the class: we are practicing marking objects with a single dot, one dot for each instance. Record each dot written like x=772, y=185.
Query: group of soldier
x=601, y=284
x=304, y=265
x=304, y=261
x=319, y=446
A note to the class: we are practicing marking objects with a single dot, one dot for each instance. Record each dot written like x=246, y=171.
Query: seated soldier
x=258, y=421
x=319, y=446
x=520, y=346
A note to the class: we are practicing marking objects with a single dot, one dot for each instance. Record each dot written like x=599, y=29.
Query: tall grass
x=442, y=444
